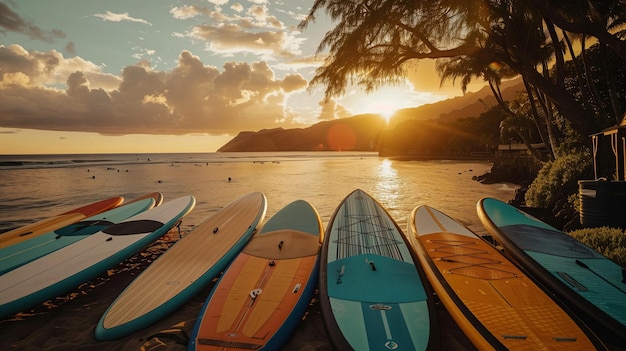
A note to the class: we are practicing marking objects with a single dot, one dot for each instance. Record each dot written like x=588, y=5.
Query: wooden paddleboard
x=496, y=305
x=26, y=251
x=372, y=289
x=59, y=221
x=184, y=269
x=265, y=291
x=64, y=269
x=588, y=282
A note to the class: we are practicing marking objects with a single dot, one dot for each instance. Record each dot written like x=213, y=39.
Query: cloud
x=185, y=12
x=47, y=69
x=236, y=7
x=253, y=30
x=70, y=48
x=295, y=15
x=119, y=17
x=301, y=62
x=230, y=38
x=11, y=21
x=190, y=11
x=190, y=98
x=332, y=110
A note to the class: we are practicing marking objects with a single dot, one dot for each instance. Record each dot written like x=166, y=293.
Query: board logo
x=391, y=345
x=380, y=307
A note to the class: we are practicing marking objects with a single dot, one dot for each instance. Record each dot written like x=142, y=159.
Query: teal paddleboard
x=26, y=251
x=66, y=268
x=589, y=283
x=372, y=290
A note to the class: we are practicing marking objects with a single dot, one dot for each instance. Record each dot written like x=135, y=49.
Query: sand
x=68, y=322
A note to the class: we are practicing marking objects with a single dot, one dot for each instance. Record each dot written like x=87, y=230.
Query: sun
x=385, y=101
x=386, y=111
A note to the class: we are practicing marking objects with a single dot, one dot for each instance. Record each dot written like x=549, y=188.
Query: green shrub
x=558, y=180
x=611, y=242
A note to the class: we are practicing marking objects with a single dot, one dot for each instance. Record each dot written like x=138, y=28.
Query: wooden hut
x=616, y=145
x=602, y=199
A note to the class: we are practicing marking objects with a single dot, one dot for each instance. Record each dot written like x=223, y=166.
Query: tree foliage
x=558, y=179
x=375, y=42
x=611, y=242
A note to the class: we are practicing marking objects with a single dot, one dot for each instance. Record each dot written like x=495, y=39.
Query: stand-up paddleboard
x=66, y=268
x=156, y=196
x=495, y=304
x=184, y=269
x=373, y=293
x=23, y=252
x=591, y=284
x=263, y=294
x=45, y=225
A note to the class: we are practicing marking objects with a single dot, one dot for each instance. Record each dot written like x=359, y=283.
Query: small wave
x=507, y=187
x=35, y=164
x=11, y=163
x=46, y=161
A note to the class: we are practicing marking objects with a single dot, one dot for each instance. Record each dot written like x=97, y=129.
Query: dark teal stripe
x=376, y=331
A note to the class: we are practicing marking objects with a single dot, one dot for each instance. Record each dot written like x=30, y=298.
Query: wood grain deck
x=186, y=261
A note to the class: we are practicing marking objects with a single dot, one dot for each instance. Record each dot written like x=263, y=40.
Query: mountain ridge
x=363, y=132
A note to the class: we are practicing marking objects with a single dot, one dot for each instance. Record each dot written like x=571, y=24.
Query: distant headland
x=432, y=131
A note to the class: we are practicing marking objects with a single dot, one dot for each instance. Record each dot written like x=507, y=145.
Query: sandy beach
x=68, y=322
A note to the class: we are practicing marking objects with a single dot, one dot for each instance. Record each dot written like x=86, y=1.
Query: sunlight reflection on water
x=387, y=185
x=323, y=180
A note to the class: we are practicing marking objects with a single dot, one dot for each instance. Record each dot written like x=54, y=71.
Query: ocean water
x=38, y=186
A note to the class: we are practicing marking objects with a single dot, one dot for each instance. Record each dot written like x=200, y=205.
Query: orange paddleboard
x=496, y=305
x=264, y=293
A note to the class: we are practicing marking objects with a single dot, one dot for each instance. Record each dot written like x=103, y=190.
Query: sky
x=150, y=76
